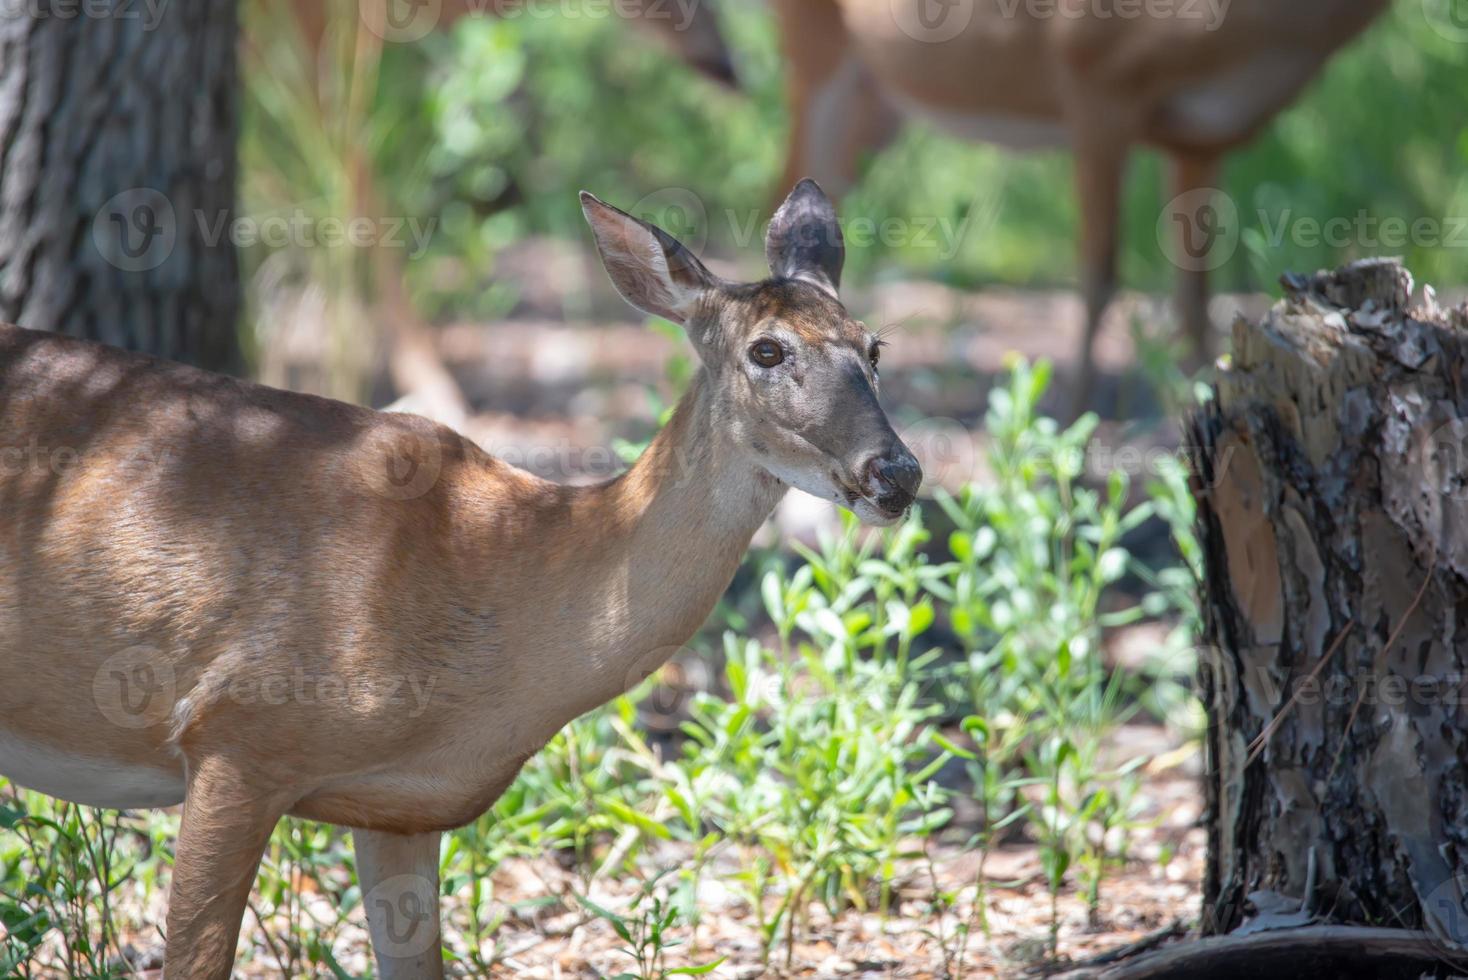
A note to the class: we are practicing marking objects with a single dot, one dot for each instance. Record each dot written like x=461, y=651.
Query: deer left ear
x=649, y=267
x=804, y=240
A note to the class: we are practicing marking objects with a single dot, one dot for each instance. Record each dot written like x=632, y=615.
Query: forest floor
x=547, y=934
x=1000, y=899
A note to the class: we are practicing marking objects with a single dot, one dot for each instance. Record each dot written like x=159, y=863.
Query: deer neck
x=647, y=556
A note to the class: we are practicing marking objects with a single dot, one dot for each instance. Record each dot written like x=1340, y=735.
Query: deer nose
x=896, y=477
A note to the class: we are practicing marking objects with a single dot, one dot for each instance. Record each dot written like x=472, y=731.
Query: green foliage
x=646, y=931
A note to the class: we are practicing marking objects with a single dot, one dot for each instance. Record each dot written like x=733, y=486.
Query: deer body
x=1194, y=84
x=355, y=611
x=258, y=603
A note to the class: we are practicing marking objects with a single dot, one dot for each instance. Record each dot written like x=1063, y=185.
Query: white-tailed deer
x=1193, y=79
x=259, y=603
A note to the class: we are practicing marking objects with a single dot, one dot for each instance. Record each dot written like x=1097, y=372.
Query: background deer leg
x=837, y=114
x=226, y=825
x=1192, y=173
x=1100, y=165
x=399, y=878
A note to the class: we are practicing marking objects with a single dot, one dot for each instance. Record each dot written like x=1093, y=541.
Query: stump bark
x=1332, y=482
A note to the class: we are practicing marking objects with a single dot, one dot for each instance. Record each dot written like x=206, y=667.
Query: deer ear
x=648, y=266
x=804, y=240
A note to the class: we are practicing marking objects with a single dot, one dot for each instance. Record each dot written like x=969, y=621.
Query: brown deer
x=259, y=603
x=1192, y=78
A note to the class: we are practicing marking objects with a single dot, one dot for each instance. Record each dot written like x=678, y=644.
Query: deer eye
x=766, y=353
x=875, y=354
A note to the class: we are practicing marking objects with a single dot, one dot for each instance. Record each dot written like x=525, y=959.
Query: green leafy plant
x=647, y=928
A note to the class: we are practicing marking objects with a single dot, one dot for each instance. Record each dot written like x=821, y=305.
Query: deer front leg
x=226, y=824
x=1196, y=218
x=1100, y=162
x=399, y=878
x=837, y=114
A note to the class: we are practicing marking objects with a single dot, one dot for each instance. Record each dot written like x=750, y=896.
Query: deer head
x=793, y=375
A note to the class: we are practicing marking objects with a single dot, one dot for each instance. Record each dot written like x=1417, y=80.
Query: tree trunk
x=1333, y=507
x=118, y=122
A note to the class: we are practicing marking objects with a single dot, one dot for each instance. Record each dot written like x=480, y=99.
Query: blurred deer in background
x=332, y=50
x=1194, y=79
x=257, y=602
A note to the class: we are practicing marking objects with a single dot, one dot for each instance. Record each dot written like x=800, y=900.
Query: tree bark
x=118, y=123
x=1332, y=484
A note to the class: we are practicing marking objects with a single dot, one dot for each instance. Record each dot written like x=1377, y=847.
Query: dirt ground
x=547, y=933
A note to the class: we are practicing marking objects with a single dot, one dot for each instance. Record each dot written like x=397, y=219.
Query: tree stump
x=1332, y=483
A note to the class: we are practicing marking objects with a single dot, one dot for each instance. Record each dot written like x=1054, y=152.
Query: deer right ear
x=804, y=238
x=649, y=267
